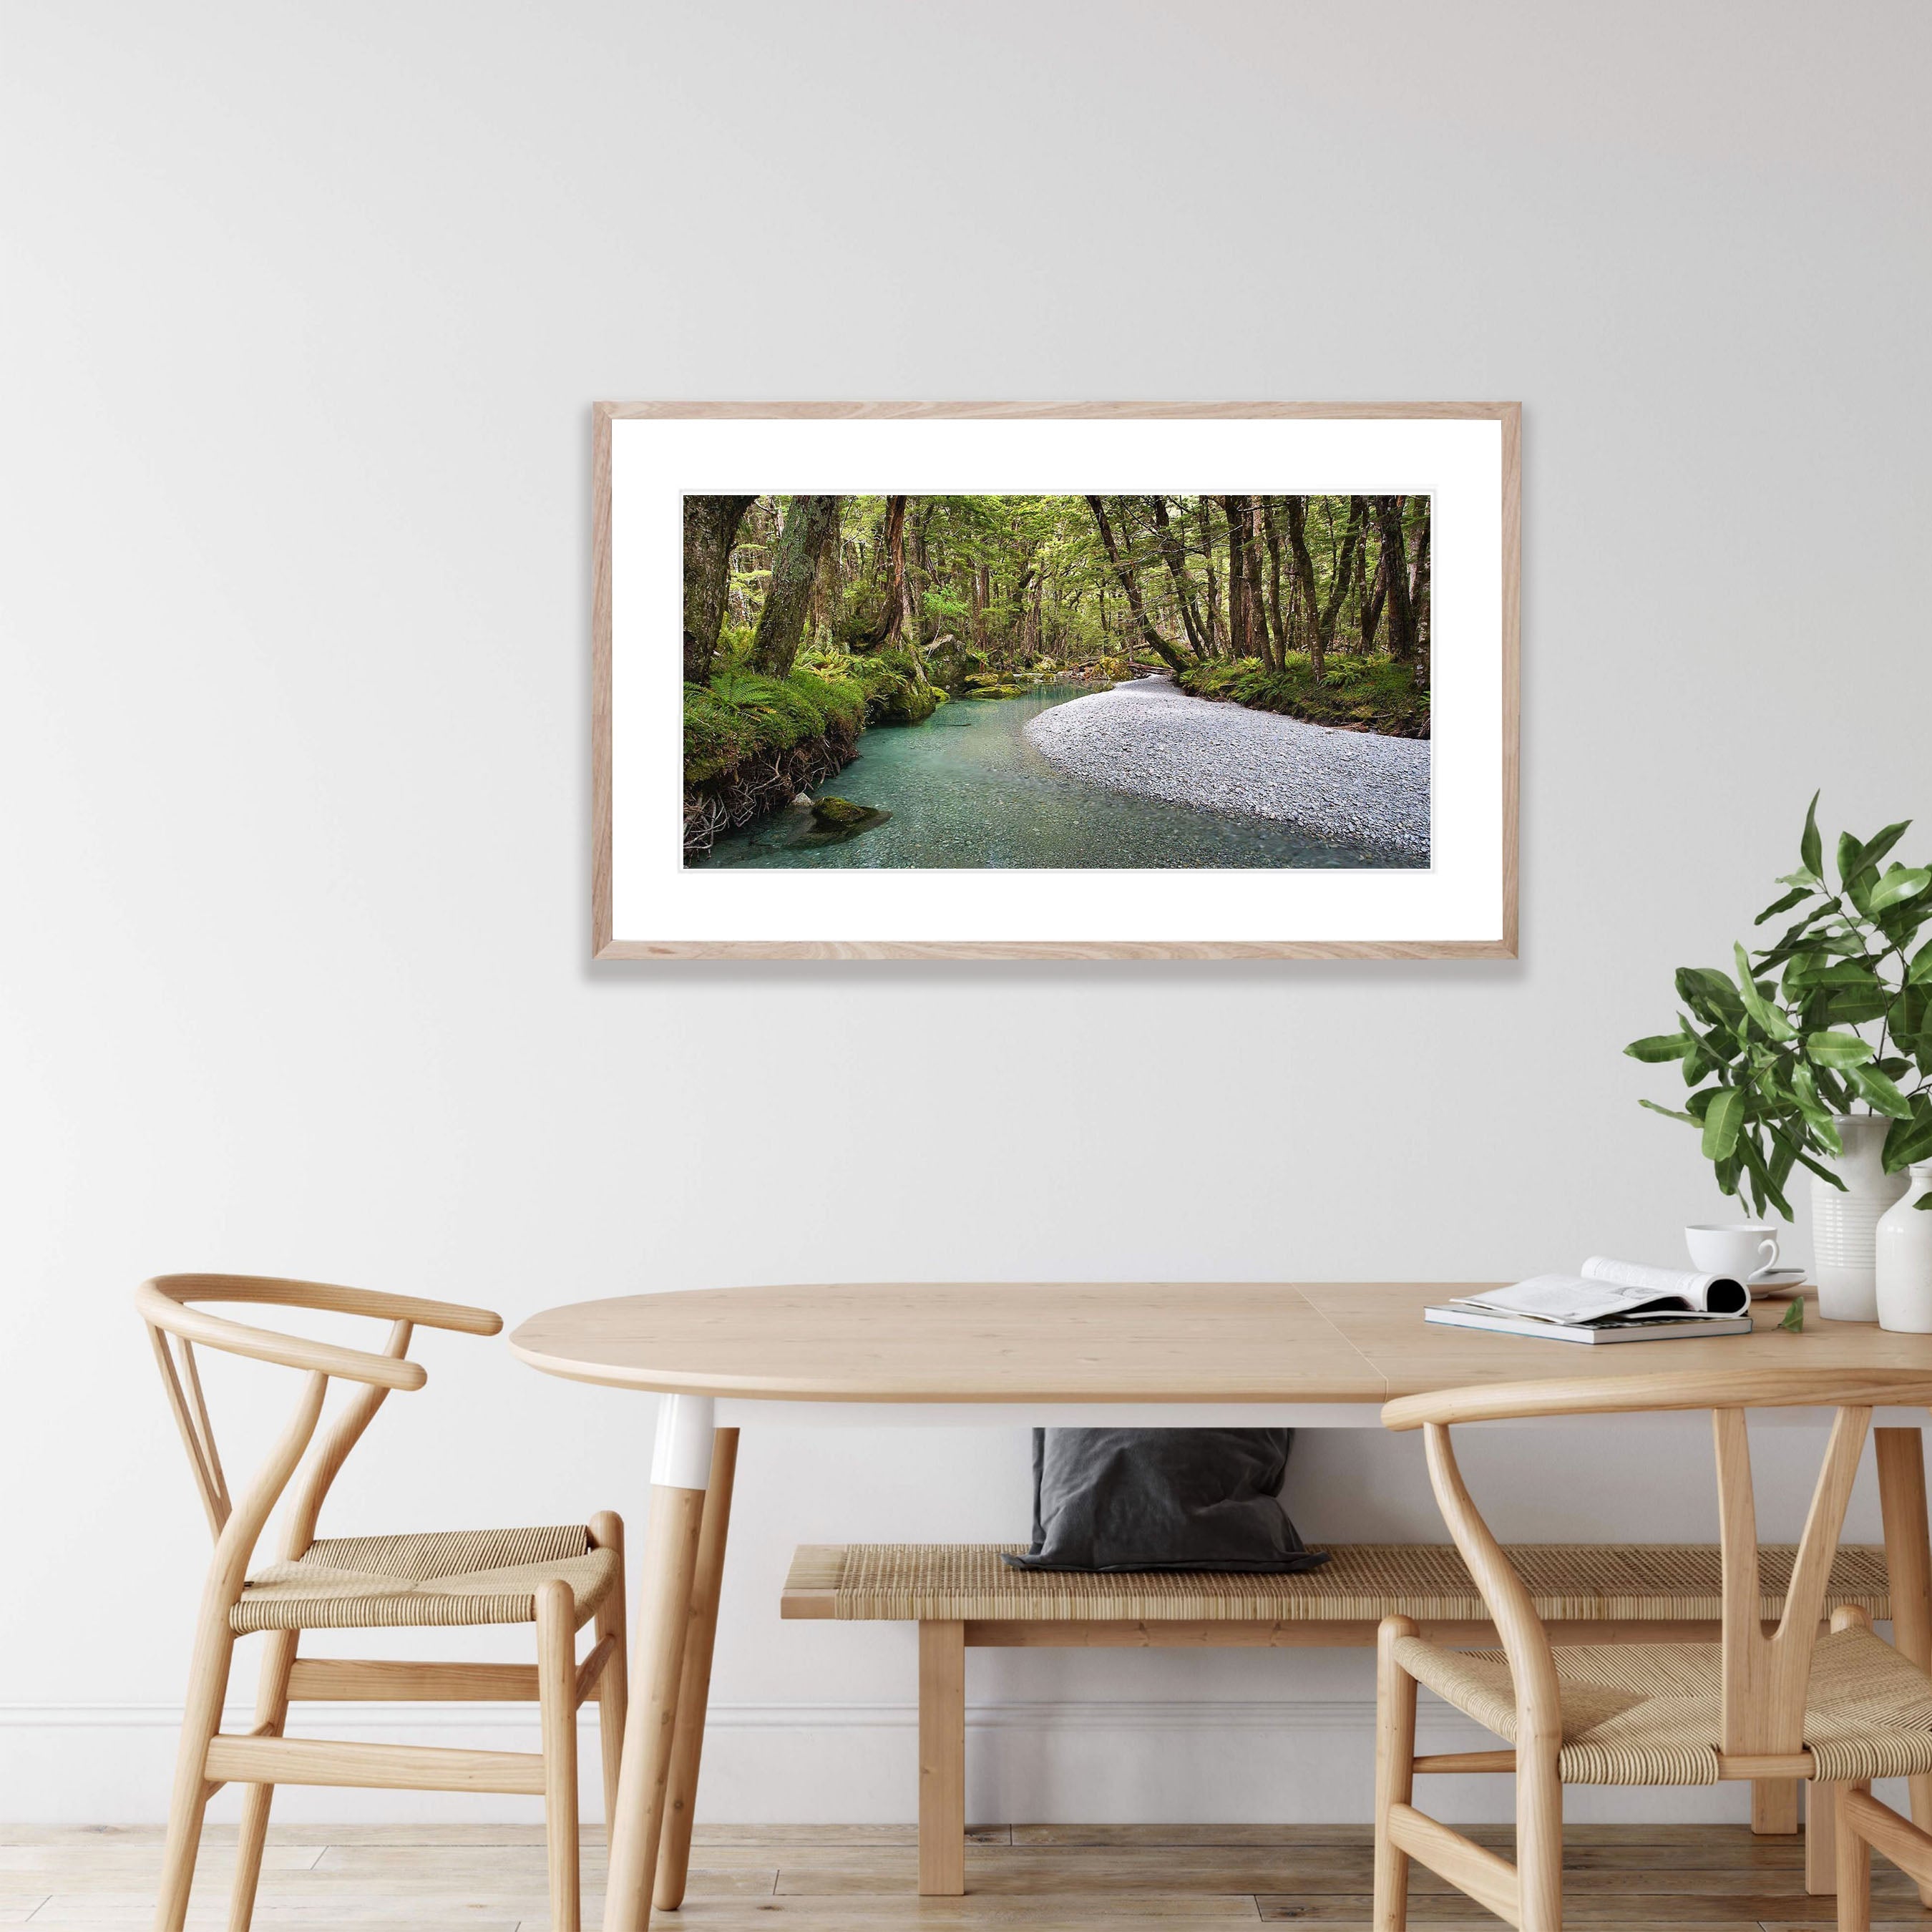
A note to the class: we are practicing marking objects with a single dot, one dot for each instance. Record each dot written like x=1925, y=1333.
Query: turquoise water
x=967, y=788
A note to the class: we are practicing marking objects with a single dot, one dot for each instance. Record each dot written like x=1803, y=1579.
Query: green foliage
x=895, y=693
x=947, y=609
x=1373, y=694
x=1773, y=1050
x=734, y=646
x=739, y=714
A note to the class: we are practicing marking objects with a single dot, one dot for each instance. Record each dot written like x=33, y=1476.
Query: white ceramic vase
x=1904, y=1257
x=1844, y=1223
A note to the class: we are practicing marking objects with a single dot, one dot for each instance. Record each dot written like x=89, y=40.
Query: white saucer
x=1772, y=1279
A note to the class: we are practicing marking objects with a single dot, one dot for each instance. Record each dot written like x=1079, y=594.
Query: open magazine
x=1608, y=1301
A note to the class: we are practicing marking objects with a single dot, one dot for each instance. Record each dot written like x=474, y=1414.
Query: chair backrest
x=1765, y=1676
x=175, y=1325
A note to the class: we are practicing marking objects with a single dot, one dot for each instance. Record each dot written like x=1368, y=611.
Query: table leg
x=680, y=1471
x=1908, y=1560
x=694, y=1690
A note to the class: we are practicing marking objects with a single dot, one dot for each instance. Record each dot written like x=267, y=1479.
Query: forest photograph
x=1033, y=682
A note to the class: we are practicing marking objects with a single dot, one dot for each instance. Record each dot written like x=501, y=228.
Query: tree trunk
x=1247, y=607
x=1354, y=549
x=920, y=563
x=1304, y=579
x=1282, y=644
x=710, y=529
x=1418, y=597
x=1130, y=589
x=1270, y=639
x=895, y=619
x=1027, y=610
x=810, y=523
x=1323, y=613
x=1213, y=591
x=1295, y=628
x=1375, y=594
x=1395, y=567
x=1238, y=644
x=1176, y=569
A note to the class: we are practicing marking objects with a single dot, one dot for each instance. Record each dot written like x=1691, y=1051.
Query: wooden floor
x=815, y=1878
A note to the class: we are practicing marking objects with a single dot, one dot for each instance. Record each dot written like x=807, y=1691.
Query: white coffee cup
x=1742, y=1249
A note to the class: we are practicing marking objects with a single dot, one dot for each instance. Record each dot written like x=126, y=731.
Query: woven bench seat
x=1361, y=1582
x=1667, y=1595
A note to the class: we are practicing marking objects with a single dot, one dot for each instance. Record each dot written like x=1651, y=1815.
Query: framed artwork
x=1008, y=680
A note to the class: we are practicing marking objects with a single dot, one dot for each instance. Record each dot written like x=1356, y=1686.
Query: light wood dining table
x=1185, y=1354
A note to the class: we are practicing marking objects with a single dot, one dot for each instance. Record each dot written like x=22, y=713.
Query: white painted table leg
x=693, y=1697
x=680, y=1471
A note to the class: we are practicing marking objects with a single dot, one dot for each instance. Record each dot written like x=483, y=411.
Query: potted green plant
x=1817, y=1051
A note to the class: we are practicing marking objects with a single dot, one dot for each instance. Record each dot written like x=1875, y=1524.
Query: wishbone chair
x=557, y=1579
x=1766, y=1702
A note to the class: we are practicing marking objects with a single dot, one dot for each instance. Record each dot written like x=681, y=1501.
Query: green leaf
x=1837, y=1049
x=1661, y=1046
x=1763, y=1187
x=1921, y=1048
x=1723, y=1119
x=1910, y=1140
x=1804, y=1085
x=1883, y=1096
x=1798, y=968
x=1768, y=1017
x=1853, y=1010
x=1794, y=1316
x=1671, y=1113
x=1850, y=858
x=1899, y=883
x=1810, y=853
x=1784, y=1155
x=1799, y=1154
x=1790, y=899
x=1711, y=996
x=1875, y=849
x=1841, y=972
x=1702, y=1061
x=1921, y=968
x=1834, y=1092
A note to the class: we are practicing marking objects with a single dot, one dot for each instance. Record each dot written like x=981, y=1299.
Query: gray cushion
x=1162, y=1499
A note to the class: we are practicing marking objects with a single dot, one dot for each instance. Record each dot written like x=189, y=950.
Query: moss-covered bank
x=752, y=744
x=1358, y=694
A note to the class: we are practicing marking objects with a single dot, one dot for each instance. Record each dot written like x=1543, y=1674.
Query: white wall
x=307, y=309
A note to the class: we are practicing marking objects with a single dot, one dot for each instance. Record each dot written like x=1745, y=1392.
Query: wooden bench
x=962, y=1597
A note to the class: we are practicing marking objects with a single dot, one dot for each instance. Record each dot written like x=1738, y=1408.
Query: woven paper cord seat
x=1638, y=1714
x=1363, y=1582
x=443, y=1578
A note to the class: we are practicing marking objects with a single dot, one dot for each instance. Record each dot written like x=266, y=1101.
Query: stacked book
x=1608, y=1301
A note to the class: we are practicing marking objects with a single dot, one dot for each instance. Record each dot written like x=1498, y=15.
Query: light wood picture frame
x=1459, y=464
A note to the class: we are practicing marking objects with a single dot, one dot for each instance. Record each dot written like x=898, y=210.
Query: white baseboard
x=1112, y=1714
x=1203, y=1762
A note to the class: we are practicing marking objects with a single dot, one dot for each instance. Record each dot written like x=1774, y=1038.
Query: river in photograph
x=966, y=788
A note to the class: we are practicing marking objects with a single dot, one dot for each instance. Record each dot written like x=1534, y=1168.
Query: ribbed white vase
x=1844, y=1224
